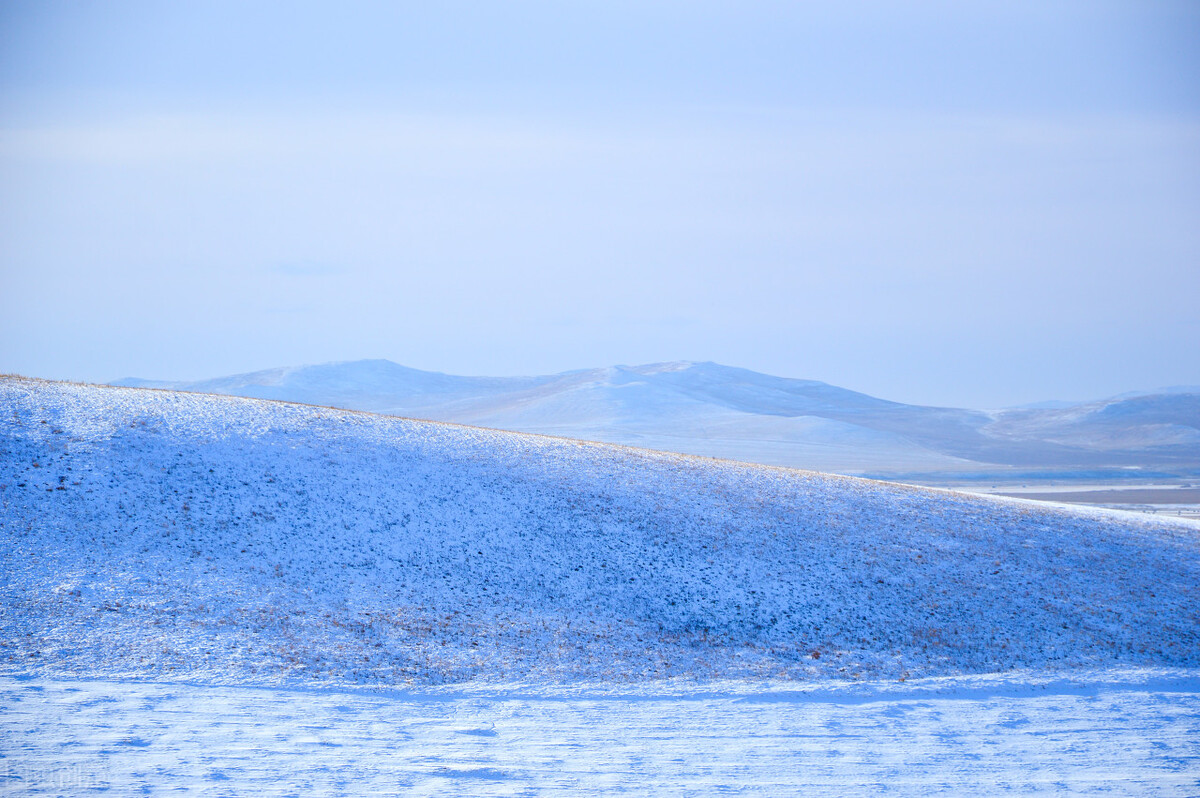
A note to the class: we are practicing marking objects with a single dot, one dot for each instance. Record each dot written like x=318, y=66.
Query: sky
x=968, y=204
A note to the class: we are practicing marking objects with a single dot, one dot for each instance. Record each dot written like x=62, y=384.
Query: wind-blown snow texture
x=225, y=540
x=989, y=738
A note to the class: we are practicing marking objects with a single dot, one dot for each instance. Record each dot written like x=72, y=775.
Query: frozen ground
x=954, y=737
x=1178, y=500
x=232, y=594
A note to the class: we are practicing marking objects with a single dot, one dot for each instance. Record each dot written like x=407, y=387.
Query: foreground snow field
x=205, y=591
x=956, y=737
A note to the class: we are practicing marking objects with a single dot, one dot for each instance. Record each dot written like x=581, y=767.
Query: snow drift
x=151, y=533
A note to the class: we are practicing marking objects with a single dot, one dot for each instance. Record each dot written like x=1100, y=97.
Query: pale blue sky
x=972, y=204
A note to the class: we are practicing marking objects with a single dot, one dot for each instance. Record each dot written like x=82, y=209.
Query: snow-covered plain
x=958, y=737
x=191, y=581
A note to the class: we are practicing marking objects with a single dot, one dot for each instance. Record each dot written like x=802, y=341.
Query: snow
x=960, y=738
x=195, y=584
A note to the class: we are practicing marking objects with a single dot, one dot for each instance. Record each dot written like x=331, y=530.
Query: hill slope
x=149, y=533
x=715, y=410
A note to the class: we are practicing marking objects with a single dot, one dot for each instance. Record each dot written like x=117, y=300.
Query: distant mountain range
x=720, y=411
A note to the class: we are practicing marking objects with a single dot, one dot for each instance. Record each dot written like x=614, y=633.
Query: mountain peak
x=667, y=367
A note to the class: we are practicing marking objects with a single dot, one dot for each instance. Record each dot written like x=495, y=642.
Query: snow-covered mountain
x=719, y=411
x=1166, y=424
x=217, y=539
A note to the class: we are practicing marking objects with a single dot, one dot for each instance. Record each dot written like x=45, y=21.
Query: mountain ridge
x=723, y=411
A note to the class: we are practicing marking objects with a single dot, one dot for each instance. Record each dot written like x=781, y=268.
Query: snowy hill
x=154, y=534
x=719, y=411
